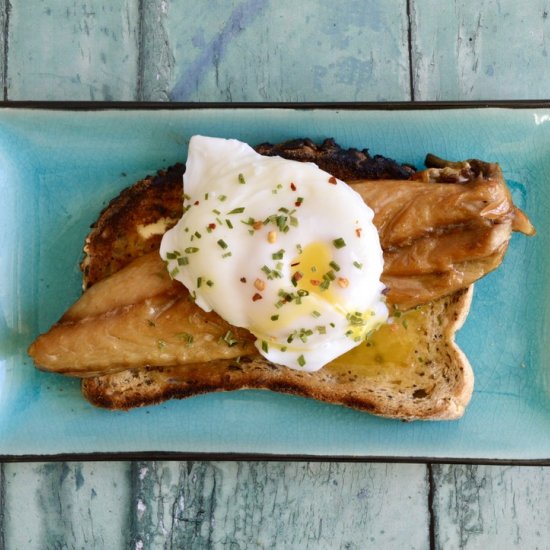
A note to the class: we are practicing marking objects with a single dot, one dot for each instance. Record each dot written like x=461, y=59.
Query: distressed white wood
x=260, y=50
x=73, y=49
x=491, y=49
x=280, y=505
x=66, y=505
x=3, y=41
x=482, y=507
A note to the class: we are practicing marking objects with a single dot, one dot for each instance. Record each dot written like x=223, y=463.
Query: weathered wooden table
x=273, y=50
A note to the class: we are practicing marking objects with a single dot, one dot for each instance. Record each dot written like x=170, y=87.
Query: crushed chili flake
x=272, y=237
x=257, y=225
x=243, y=279
x=343, y=282
x=332, y=180
x=196, y=203
x=292, y=186
x=259, y=284
x=315, y=282
x=294, y=264
x=297, y=276
x=211, y=226
x=256, y=297
x=358, y=231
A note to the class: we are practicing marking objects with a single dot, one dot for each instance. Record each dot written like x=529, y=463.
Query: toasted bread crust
x=441, y=390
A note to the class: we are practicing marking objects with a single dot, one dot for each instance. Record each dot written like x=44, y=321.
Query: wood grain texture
x=492, y=49
x=279, y=505
x=480, y=507
x=66, y=505
x=73, y=49
x=262, y=50
x=4, y=16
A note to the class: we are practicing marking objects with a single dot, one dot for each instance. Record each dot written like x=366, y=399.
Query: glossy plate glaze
x=58, y=168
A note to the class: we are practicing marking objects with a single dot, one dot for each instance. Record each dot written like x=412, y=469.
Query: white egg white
x=278, y=247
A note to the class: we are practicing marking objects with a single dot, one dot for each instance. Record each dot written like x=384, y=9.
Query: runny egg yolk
x=278, y=247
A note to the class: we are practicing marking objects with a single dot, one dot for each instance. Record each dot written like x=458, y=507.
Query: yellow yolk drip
x=390, y=346
x=309, y=268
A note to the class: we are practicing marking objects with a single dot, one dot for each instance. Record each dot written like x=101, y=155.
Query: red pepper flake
x=332, y=180
x=256, y=297
x=297, y=204
x=343, y=282
x=243, y=279
x=315, y=282
x=294, y=264
x=259, y=284
x=292, y=186
x=196, y=203
x=297, y=276
x=358, y=231
x=212, y=226
x=257, y=225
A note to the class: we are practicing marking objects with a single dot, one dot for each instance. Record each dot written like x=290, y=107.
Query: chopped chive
x=278, y=255
x=241, y=179
x=229, y=339
x=301, y=361
x=217, y=212
x=265, y=347
x=321, y=329
x=358, y=265
x=228, y=223
x=221, y=198
x=186, y=337
x=274, y=317
x=222, y=244
x=315, y=313
x=226, y=255
x=210, y=283
x=161, y=344
x=199, y=282
x=339, y=243
x=198, y=235
x=184, y=260
x=334, y=266
x=206, y=196
x=172, y=255
x=239, y=210
x=405, y=323
x=191, y=250
x=174, y=272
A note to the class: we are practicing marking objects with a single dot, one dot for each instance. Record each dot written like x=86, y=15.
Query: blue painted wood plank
x=266, y=50
x=66, y=505
x=479, y=507
x=74, y=50
x=4, y=16
x=493, y=49
x=279, y=505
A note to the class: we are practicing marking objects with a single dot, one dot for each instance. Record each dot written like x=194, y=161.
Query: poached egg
x=280, y=248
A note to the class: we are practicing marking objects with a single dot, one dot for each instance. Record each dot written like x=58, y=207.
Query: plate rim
x=131, y=456
x=78, y=105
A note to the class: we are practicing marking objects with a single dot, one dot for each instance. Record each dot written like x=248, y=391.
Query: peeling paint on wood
x=279, y=505
x=3, y=46
x=480, y=50
x=246, y=51
x=78, y=50
x=66, y=505
x=491, y=507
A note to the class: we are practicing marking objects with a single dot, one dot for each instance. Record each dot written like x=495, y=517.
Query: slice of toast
x=413, y=370
x=410, y=370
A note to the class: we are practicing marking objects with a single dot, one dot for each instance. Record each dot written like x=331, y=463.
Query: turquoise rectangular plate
x=59, y=167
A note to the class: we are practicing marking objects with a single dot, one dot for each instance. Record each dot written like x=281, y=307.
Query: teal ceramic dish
x=58, y=169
